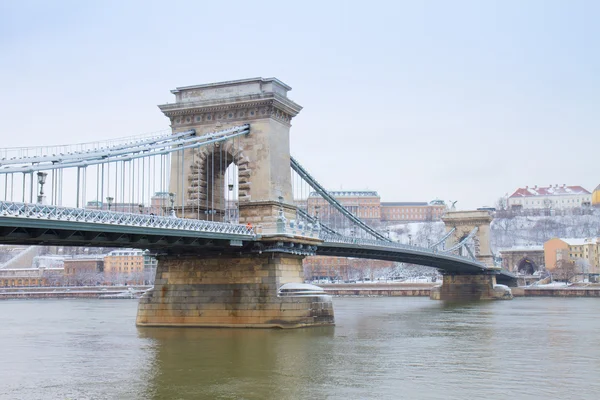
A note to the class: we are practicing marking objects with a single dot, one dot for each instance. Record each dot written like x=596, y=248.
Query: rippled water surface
x=381, y=348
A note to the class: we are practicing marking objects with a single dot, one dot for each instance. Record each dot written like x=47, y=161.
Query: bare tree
x=564, y=271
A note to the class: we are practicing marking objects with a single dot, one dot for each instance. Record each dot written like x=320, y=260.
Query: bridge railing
x=337, y=238
x=57, y=213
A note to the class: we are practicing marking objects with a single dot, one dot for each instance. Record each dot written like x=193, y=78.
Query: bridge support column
x=470, y=287
x=231, y=291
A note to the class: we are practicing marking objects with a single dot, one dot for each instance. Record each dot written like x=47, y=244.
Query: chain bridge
x=225, y=207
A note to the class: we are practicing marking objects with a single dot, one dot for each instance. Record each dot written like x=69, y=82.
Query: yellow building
x=596, y=196
x=21, y=277
x=124, y=266
x=587, y=249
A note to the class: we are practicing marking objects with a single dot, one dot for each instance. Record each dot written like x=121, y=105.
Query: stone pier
x=464, y=287
x=231, y=292
x=470, y=287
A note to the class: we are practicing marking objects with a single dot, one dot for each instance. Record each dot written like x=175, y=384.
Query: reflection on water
x=381, y=348
x=235, y=363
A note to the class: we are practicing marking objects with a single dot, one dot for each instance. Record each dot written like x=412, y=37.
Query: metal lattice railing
x=336, y=238
x=55, y=213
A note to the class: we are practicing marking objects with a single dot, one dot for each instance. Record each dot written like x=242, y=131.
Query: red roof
x=549, y=191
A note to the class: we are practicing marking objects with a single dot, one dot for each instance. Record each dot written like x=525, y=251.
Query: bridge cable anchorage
x=443, y=239
x=332, y=201
x=462, y=242
x=470, y=252
x=314, y=221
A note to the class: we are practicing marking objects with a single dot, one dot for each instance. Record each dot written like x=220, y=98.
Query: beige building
x=83, y=270
x=130, y=266
x=364, y=204
x=21, y=277
x=586, y=250
x=367, y=205
x=124, y=266
x=550, y=197
x=412, y=212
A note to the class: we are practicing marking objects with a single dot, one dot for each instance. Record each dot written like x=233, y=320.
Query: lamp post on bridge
x=109, y=201
x=409, y=239
x=41, y=180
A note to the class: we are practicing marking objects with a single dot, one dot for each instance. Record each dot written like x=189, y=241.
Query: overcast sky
x=461, y=100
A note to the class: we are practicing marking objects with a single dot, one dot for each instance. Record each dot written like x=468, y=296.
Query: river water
x=381, y=348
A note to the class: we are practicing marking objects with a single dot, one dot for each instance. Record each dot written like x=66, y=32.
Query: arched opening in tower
x=215, y=182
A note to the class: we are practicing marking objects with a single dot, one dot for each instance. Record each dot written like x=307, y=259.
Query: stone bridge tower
x=239, y=285
x=469, y=286
x=465, y=222
x=262, y=157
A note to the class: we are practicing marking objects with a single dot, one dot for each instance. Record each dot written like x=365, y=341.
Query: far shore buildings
x=549, y=197
x=118, y=267
x=367, y=205
x=585, y=251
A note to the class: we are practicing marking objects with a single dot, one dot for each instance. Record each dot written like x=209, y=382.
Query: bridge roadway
x=33, y=224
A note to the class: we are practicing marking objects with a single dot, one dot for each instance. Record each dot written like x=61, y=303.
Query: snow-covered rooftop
x=580, y=241
x=555, y=190
x=522, y=248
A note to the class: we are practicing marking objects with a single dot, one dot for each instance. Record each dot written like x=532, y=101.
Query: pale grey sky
x=462, y=100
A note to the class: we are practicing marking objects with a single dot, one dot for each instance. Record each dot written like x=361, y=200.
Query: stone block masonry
x=231, y=291
x=466, y=287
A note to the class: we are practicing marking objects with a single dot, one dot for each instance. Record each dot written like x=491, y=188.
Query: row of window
x=20, y=282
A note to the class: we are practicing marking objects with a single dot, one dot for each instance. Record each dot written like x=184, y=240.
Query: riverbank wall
x=76, y=292
x=339, y=290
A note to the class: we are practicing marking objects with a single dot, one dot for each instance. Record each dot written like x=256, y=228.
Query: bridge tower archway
x=463, y=222
x=214, y=169
x=262, y=156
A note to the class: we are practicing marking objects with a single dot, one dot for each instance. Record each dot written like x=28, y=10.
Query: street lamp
x=109, y=201
x=172, y=200
x=41, y=180
x=409, y=239
x=230, y=186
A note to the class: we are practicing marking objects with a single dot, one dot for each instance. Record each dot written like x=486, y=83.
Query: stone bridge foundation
x=231, y=291
x=470, y=287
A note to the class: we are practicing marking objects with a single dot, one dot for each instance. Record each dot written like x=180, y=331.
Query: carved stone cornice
x=242, y=108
